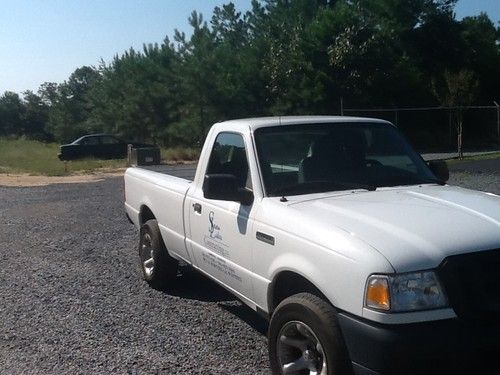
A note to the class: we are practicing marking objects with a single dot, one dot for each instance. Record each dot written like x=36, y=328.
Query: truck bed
x=186, y=171
x=162, y=189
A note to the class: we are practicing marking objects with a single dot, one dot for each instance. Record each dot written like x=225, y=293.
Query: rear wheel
x=158, y=268
x=305, y=338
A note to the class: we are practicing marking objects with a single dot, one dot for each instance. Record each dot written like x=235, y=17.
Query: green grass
x=37, y=158
x=177, y=154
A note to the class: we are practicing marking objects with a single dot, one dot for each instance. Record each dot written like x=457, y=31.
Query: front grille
x=472, y=283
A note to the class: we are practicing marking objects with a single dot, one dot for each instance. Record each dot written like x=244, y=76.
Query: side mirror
x=224, y=187
x=440, y=169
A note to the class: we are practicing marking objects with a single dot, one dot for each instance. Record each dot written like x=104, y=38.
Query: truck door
x=221, y=230
x=90, y=146
x=112, y=147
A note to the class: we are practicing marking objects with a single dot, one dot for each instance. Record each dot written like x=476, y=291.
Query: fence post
x=129, y=155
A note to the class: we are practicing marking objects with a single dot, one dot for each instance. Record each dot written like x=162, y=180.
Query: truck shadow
x=195, y=286
x=249, y=316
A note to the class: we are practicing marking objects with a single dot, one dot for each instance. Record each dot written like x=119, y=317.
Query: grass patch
x=176, y=154
x=37, y=158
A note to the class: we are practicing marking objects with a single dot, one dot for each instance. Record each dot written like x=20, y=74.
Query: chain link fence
x=433, y=129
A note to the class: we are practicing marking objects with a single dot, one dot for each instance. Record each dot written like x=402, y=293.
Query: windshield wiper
x=407, y=180
x=433, y=181
x=320, y=187
x=355, y=185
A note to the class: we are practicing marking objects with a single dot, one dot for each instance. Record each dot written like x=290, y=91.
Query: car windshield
x=77, y=141
x=313, y=158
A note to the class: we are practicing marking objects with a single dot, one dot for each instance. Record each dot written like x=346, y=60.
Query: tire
x=158, y=268
x=305, y=337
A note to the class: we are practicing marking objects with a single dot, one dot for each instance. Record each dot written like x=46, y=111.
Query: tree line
x=282, y=57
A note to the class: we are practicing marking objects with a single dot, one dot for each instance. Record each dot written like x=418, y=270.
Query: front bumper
x=449, y=346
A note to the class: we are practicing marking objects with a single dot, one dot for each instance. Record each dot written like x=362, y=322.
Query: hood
x=416, y=227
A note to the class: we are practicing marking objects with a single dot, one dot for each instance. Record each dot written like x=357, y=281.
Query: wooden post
x=129, y=154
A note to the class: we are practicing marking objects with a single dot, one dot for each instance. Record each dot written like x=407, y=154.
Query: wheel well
x=288, y=283
x=145, y=215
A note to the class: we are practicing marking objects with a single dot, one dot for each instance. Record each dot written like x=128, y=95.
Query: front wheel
x=158, y=267
x=305, y=338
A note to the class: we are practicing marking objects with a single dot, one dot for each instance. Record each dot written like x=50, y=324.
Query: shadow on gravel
x=249, y=316
x=193, y=285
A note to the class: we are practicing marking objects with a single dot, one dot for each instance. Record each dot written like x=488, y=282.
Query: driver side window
x=229, y=157
x=90, y=141
x=107, y=140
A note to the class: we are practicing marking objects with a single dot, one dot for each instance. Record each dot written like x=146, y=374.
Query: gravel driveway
x=72, y=300
x=481, y=175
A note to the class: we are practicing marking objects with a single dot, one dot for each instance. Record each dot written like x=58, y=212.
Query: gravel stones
x=72, y=299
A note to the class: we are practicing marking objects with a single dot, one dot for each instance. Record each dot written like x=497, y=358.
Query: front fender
x=339, y=275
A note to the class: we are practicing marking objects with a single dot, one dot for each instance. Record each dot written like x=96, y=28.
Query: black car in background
x=101, y=146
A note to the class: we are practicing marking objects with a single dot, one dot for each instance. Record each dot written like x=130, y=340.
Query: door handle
x=197, y=208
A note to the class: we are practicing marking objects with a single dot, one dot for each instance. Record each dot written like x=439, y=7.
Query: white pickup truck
x=363, y=259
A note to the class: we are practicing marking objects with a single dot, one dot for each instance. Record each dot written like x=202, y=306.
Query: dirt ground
x=26, y=180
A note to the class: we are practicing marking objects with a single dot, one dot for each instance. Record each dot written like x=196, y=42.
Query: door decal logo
x=213, y=228
x=213, y=240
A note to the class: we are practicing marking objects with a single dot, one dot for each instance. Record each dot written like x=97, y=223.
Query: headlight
x=405, y=292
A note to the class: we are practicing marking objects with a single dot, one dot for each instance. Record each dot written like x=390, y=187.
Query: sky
x=46, y=40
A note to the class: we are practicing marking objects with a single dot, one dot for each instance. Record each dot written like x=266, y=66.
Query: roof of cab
x=259, y=122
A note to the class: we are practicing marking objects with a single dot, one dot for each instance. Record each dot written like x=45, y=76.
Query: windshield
x=313, y=158
x=78, y=141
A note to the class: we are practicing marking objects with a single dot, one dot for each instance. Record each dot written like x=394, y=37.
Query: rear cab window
x=108, y=140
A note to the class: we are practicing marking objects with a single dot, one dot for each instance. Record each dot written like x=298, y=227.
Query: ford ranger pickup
x=364, y=260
